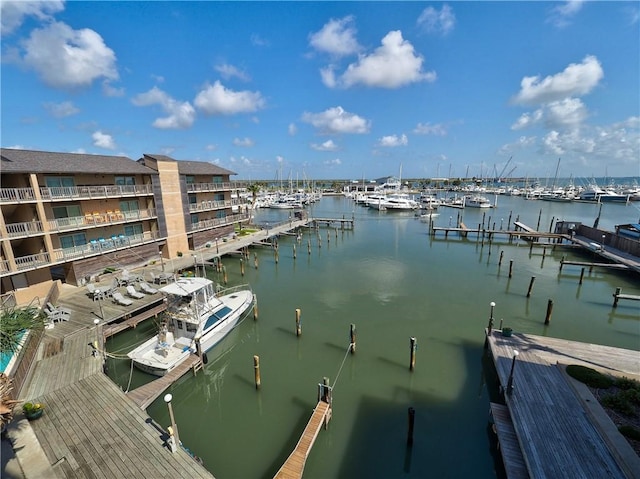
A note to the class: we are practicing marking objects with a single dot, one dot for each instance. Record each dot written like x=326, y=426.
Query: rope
x=340, y=370
x=130, y=376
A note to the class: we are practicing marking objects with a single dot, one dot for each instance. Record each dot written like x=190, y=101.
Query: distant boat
x=197, y=318
x=398, y=202
x=477, y=201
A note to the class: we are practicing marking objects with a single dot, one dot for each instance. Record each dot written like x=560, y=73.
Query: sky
x=330, y=90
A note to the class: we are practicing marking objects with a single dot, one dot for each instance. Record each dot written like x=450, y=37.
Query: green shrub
x=590, y=377
x=620, y=402
x=630, y=432
x=626, y=383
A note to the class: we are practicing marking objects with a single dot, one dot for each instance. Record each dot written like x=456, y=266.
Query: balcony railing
x=96, y=247
x=195, y=187
x=32, y=261
x=28, y=228
x=4, y=266
x=94, y=191
x=209, y=205
x=17, y=195
x=217, y=222
x=100, y=219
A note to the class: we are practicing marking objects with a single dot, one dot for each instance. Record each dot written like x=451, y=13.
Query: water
x=394, y=282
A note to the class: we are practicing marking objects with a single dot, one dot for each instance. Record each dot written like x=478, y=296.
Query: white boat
x=398, y=202
x=197, y=318
x=477, y=201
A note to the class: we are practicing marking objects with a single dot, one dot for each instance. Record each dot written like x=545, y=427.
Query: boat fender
x=205, y=359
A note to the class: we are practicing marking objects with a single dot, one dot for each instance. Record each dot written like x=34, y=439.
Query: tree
x=254, y=189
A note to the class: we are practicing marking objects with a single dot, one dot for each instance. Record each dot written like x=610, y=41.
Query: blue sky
x=330, y=89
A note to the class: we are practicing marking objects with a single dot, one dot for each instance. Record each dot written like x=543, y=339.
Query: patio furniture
x=121, y=300
x=131, y=292
x=147, y=288
x=55, y=315
x=95, y=293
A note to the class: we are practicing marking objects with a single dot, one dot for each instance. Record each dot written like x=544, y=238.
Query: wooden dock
x=146, y=394
x=343, y=222
x=514, y=464
x=556, y=435
x=294, y=465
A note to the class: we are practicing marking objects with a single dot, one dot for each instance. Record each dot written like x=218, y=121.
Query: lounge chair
x=56, y=315
x=131, y=291
x=147, y=288
x=121, y=300
x=58, y=308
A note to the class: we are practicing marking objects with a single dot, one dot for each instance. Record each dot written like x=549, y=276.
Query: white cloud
x=561, y=15
x=434, y=21
x=180, y=114
x=335, y=162
x=67, y=58
x=562, y=114
x=429, y=129
x=527, y=120
x=337, y=120
x=258, y=41
x=211, y=147
x=575, y=80
x=292, y=129
x=229, y=71
x=392, y=141
x=328, y=145
x=392, y=65
x=521, y=143
x=13, y=13
x=103, y=140
x=279, y=159
x=61, y=110
x=336, y=37
x=217, y=100
x=109, y=90
x=244, y=142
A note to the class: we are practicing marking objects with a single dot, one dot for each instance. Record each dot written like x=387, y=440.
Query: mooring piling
x=298, y=326
x=533, y=280
x=256, y=371
x=412, y=360
x=352, y=339
x=547, y=318
x=412, y=418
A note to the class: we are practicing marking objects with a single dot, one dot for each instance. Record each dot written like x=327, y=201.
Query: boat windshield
x=219, y=315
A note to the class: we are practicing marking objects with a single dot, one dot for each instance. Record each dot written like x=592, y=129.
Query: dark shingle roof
x=194, y=167
x=28, y=161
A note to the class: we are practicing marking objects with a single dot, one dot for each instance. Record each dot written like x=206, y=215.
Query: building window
x=221, y=214
x=70, y=241
x=192, y=199
x=125, y=180
x=133, y=230
x=59, y=181
x=219, y=197
x=218, y=179
x=194, y=219
x=69, y=211
x=129, y=205
x=190, y=179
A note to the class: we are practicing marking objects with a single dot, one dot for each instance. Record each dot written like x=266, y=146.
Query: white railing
x=209, y=205
x=215, y=222
x=16, y=195
x=94, y=191
x=4, y=266
x=32, y=261
x=100, y=219
x=27, y=228
x=103, y=245
x=195, y=187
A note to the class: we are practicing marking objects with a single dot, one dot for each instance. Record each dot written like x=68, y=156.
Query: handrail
x=93, y=191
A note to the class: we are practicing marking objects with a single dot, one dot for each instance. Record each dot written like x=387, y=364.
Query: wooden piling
x=224, y=274
x=241, y=266
x=294, y=251
x=510, y=268
x=255, y=307
x=539, y=217
x=581, y=276
x=533, y=279
x=553, y=218
x=352, y=339
x=616, y=297
x=547, y=318
x=562, y=263
x=298, y=326
x=412, y=417
x=256, y=370
x=544, y=252
x=276, y=255
x=509, y=221
x=255, y=260
x=500, y=260
x=412, y=360
x=309, y=246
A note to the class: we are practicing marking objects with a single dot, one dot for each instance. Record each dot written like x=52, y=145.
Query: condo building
x=68, y=216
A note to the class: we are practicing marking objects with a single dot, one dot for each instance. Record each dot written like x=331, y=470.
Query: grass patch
x=590, y=377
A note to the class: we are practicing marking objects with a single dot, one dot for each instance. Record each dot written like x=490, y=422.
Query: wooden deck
x=294, y=465
x=146, y=394
x=91, y=430
x=514, y=464
x=555, y=434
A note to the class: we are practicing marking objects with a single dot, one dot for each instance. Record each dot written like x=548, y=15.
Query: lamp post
x=173, y=439
x=96, y=348
x=513, y=365
x=490, y=325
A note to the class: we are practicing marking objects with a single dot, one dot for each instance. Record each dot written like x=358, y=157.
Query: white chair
x=147, y=288
x=121, y=300
x=131, y=291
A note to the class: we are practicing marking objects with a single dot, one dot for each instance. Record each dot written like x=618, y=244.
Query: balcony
x=217, y=222
x=99, y=219
x=23, y=230
x=63, y=255
x=197, y=187
x=94, y=192
x=17, y=195
x=209, y=205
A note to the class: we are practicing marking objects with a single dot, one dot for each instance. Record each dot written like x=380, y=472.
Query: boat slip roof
x=186, y=286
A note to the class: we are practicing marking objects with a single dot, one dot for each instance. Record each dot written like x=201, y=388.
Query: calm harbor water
x=393, y=281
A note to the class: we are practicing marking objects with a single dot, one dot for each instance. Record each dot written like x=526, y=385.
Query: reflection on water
x=393, y=281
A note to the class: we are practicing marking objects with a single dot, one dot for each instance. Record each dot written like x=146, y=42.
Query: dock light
x=501, y=222
x=513, y=365
x=603, y=238
x=173, y=433
x=95, y=351
x=490, y=325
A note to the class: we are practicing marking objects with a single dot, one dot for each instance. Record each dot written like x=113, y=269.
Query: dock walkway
x=294, y=465
x=146, y=394
x=555, y=434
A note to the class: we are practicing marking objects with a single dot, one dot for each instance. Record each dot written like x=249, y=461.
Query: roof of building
x=194, y=167
x=29, y=161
